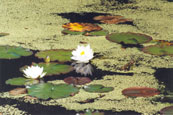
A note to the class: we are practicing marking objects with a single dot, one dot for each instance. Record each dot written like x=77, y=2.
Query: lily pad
x=112, y=19
x=72, y=32
x=129, y=38
x=167, y=111
x=96, y=33
x=17, y=91
x=48, y=90
x=77, y=80
x=96, y=88
x=60, y=55
x=3, y=34
x=21, y=81
x=53, y=68
x=159, y=50
x=140, y=92
x=12, y=52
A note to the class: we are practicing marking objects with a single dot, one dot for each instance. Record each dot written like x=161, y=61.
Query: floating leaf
x=128, y=38
x=140, y=92
x=81, y=27
x=77, y=80
x=158, y=50
x=17, y=91
x=3, y=34
x=53, y=68
x=21, y=81
x=55, y=55
x=72, y=32
x=167, y=111
x=96, y=33
x=48, y=90
x=112, y=19
x=97, y=88
x=12, y=52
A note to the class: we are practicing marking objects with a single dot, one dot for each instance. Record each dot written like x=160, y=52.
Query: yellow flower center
x=82, y=53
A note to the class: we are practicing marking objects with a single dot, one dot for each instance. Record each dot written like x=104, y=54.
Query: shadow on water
x=165, y=75
x=85, y=17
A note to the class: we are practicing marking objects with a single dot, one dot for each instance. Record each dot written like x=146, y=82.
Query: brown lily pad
x=167, y=111
x=140, y=92
x=77, y=80
x=17, y=91
x=30, y=97
x=81, y=27
x=112, y=19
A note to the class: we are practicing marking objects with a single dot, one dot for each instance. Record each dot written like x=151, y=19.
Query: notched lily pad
x=19, y=81
x=12, y=52
x=167, y=111
x=3, y=34
x=65, y=32
x=96, y=88
x=129, y=38
x=52, y=68
x=159, y=50
x=140, y=92
x=48, y=90
x=60, y=55
x=77, y=80
x=97, y=33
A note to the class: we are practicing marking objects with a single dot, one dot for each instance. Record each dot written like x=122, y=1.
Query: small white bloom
x=34, y=72
x=82, y=54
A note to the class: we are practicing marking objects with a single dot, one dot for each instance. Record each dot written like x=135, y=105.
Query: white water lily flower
x=82, y=54
x=34, y=72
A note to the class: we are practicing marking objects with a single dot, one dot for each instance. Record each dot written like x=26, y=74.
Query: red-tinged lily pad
x=140, y=92
x=167, y=111
x=112, y=19
x=77, y=80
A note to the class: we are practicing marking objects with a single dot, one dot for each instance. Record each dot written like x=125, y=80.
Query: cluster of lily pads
x=34, y=75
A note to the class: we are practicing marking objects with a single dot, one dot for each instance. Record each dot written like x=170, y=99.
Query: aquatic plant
x=72, y=32
x=17, y=91
x=77, y=80
x=97, y=88
x=108, y=19
x=13, y=52
x=48, y=90
x=159, y=50
x=53, y=68
x=128, y=38
x=167, y=110
x=34, y=72
x=140, y=92
x=82, y=54
x=91, y=112
x=60, y=55
x=20, y=81
x=3, y=34
x=81, y=27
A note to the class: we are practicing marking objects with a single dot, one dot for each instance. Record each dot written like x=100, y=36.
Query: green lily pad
x=72, y=32
x=53, y=68
x=96, y=33
x=158, y=50
x=3, y=34
x=129, y=38
x=59, y=55
x=21, y=81
x=48, y=90
x=16, y=81
x=12, y=52
x=97, y=88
